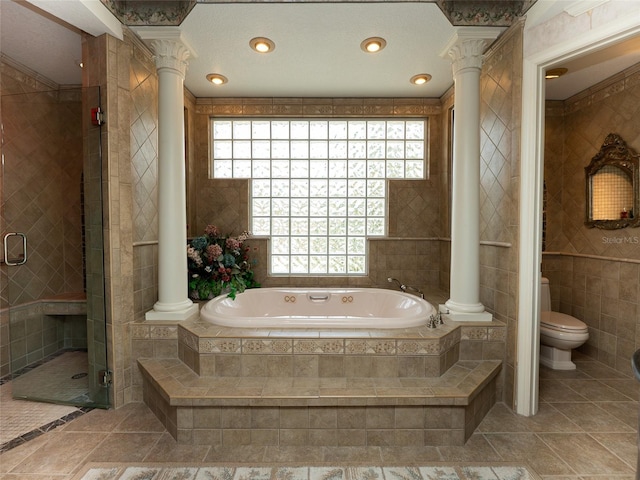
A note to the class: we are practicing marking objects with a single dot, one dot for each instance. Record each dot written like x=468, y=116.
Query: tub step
x=320, y=411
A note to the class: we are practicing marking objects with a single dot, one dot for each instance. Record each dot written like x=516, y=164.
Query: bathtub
x=318, y=308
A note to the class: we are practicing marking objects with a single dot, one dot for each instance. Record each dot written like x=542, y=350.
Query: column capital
x=466, y=47
x=170, y=54
x=170, y=49
x=467, y=54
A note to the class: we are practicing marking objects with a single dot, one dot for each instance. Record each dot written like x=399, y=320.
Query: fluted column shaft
x=464, y=302
x=173, y=301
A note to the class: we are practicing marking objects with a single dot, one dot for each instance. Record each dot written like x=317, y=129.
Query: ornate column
x=466, y=51
x=171, y=61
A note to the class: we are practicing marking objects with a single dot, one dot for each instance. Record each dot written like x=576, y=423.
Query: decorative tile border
x=315, y=107
x=318, y=346
x=220, y=345
x=369, y=347
x=261, y=346
x=213, y=341
x=422, y=347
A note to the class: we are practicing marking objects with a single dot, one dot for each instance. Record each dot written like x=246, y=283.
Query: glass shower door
x=52, y=252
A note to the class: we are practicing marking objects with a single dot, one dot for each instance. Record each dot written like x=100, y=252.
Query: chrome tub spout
x=405, y=288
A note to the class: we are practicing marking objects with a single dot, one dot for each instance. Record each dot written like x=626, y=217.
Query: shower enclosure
x=52, y=267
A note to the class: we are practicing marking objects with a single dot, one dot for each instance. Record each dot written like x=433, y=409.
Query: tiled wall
x=501, y=93
x=144, y=171
x=42, y=184
x=109, y=67
x=412, y=254
x=41, y=194
x=594, y=274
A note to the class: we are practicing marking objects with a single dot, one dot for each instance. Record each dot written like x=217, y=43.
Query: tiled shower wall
x=41, y=196
x=594, y=274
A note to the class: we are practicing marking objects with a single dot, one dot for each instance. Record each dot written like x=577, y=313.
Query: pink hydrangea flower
x=214, y=251
x=212, y=230
x=233, y=244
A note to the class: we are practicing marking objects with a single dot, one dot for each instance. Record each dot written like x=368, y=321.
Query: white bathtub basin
x=318, y=308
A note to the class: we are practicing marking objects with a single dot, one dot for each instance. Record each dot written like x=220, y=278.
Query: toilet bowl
x=559, y=333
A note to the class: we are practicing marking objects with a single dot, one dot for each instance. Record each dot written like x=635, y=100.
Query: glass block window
x=318, y=187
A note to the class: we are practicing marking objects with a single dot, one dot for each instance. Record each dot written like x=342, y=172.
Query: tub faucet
x=404, y=287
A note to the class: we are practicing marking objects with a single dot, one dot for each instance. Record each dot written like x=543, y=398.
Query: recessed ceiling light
x=217, y=79
x=262, y=45
x=373, y=44
x=555, y=73
x=420, y=79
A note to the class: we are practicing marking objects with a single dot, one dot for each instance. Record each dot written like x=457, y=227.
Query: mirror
x=612, y=186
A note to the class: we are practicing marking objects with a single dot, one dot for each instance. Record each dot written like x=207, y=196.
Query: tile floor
x=22, y=420
x=585, y=430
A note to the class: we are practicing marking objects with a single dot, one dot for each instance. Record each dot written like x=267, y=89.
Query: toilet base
x=556, y=358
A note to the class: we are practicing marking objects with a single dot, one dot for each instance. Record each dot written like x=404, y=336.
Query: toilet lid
x=561, y=321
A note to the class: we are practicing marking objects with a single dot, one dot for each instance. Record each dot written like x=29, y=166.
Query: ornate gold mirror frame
x=622, y=162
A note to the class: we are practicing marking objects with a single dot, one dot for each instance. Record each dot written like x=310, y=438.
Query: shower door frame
x=91, y=226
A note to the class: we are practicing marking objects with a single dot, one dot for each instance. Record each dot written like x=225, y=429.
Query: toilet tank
x=545, y=295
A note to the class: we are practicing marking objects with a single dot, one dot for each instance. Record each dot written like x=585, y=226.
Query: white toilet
x=559, y=333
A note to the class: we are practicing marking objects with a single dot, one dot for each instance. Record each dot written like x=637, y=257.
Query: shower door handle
x=22, y=259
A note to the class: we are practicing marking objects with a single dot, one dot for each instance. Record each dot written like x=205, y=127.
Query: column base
x=449, y=314
x=181, y=312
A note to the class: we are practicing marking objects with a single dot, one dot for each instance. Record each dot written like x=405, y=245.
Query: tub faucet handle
x=432, y=322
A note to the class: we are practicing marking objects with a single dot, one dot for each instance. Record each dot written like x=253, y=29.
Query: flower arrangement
x=218, y=263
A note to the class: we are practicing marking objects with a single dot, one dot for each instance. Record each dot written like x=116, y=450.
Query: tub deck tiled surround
x=322, y=387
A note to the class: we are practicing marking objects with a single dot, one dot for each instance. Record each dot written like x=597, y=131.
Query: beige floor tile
x=356, y=454
x=502, y=419
x=167, y=449
x=477, y=449
x=410, y=455
x=99, y=420
x=124, y=447
x=556, y=391
x=528, y=447
x=574, y=436
x=624, y=445
x=294, y=454
x=585, y=455
x=11, y=458
x=626, y=412
x=598, y=370
x=140, y=419
x=592, y=418
x=240, y=453
x=62, y=453
x=34, y=476
x=627, y=386
x=596, y=391
x=549, y=419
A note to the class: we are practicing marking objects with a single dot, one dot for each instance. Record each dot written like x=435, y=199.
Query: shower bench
x=414, y=386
